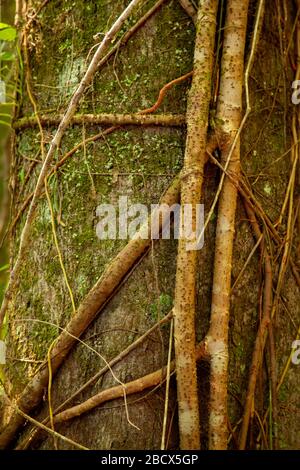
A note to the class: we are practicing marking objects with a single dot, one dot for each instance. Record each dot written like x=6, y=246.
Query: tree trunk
x=140, y=162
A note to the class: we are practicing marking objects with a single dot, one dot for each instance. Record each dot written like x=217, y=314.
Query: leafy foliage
x=7, y=32
x=7, y=57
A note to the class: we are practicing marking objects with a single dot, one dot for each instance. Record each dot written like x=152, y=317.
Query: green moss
x=161, y=306
x=144, y=158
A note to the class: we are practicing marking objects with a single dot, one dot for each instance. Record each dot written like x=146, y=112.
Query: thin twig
x=29, y=439
x=135, y=386
x=48, y=430
x=163, y=437
x=124, y=40
x=263, y=326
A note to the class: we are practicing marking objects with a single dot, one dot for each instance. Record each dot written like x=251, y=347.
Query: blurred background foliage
x=8, y=56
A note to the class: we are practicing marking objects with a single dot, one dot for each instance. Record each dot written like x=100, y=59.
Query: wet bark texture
x=161, y=51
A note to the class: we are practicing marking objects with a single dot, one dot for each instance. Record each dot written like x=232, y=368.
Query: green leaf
x=22, y=175
x=7, y=33
x=4, y=267
x=8, y=56
x=4, y=69
x=7, y=124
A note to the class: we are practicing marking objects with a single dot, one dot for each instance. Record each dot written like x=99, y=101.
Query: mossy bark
x=139, y=162
x=150, y=158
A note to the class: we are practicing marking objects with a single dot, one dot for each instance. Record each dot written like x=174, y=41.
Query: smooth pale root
x=191, y=188
x=134, y=386
x=187, y=424
x=216, y=348
x=199, y=55
x=219, y=358
x=225, y=224
x=229, y=119
x=216, y=419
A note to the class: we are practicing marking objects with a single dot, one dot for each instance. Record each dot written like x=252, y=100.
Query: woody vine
x=224, y=54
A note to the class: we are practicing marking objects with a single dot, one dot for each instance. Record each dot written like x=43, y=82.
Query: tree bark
x=155, y=48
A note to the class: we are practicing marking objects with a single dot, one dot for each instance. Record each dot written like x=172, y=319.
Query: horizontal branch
x=165, y=120
x=29, y=440
x=135, y=386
